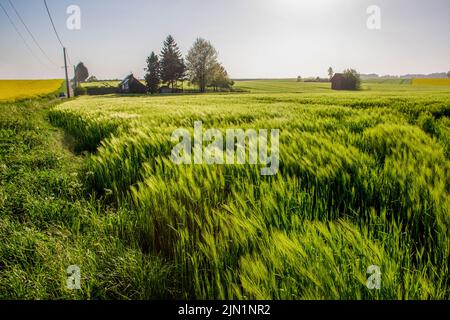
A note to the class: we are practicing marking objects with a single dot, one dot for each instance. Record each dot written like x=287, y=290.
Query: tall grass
x=47, y=223
x=364, y=180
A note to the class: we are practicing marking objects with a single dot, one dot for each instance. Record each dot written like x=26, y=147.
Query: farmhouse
x=132, y=85
x=340, y=82
x=165, y=89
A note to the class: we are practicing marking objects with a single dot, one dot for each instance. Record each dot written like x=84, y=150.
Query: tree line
x=200, y=66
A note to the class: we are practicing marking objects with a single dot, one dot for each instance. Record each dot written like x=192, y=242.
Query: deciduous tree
x=201, y=61
x=81, y=72
x=330, y=73
x=219, y=77
x=353, y=77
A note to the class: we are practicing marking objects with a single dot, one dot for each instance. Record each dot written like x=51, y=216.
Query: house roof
x=337, y=75
x=128, y=78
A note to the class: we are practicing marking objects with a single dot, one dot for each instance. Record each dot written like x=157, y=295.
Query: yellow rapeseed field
x=21, y=89
x=431, y=82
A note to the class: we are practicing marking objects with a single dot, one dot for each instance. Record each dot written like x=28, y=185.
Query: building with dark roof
x=132, y=85
x=341, y=82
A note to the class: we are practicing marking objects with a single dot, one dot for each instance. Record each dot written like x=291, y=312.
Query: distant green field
x=104, y=84
x=364, y=180
x=292, y=86
x=287, y=85
x=100, y=84
x=281, y=86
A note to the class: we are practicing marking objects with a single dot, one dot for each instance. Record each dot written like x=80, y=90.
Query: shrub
x=80, y=91
x=353, y=78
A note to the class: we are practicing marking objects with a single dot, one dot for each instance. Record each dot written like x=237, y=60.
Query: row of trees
x=201, y=68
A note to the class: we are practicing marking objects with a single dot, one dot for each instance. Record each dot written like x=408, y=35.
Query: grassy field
x=11, y=90
x=48, y=222
x=100, y=84
x=382, y=86
x=364, y=180
x=114, y=84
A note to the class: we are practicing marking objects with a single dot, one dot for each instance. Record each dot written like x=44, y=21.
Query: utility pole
x=75, y=82
x=67, y=76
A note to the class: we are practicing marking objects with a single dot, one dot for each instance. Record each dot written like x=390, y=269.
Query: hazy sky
x=255, y=38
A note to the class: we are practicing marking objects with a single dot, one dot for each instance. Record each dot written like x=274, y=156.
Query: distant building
x=132, y=85
x=340, y=82
x=165, y=89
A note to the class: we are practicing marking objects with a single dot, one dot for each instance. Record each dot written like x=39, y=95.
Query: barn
x=341, y=82
x=132, y=85
x=165, y=89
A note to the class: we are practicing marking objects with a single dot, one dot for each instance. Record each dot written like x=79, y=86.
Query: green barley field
x=364, y=179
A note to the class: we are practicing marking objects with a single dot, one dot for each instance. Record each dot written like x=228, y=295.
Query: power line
x=64, y=50
x=53, y=25
x=54, y=29
x=56, y=32
x=68, y=57
x=31, y=34
x=70, y=62
x=22, y=37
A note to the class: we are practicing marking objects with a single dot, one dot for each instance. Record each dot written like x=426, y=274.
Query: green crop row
x=364, y=180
